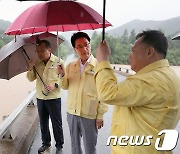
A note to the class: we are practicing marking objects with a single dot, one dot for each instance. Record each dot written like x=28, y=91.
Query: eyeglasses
x=81, y=47
x=41, y=51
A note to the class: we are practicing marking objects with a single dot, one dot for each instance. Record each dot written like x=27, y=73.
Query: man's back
x=158, y=107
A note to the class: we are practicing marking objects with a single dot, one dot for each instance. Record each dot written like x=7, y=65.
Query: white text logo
x=169, y=142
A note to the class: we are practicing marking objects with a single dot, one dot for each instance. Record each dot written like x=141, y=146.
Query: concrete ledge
x=23, y=129
x=122, y=73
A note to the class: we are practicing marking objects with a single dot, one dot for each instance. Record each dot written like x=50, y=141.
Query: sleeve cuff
x=99, y=117
x=30, y=72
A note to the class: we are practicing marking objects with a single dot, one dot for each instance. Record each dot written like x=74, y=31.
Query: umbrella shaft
x=38, y=75
x=33, y=66
x=26, y=53
x=104, y=13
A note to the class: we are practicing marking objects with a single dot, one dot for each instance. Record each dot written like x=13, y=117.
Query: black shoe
x=59, y=151
x=59, y=147
x=43, y=148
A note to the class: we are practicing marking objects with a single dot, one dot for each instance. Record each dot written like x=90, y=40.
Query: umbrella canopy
x=56, y=16
x=13, y=59
x=176, y=37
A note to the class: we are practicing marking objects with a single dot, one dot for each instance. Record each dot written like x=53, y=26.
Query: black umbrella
x=14, y=56
x=176, y=37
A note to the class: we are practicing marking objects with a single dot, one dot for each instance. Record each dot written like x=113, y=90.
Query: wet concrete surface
x=103, y=134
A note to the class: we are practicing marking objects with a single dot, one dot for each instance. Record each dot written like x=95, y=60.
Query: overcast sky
x=118, y=12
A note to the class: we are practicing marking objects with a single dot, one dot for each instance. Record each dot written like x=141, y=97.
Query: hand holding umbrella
x=49, y=87
x=31, y=64
x=61, y=70
x=103, y=52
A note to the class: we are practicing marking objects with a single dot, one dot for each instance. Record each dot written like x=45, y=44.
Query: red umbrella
x=56, y=16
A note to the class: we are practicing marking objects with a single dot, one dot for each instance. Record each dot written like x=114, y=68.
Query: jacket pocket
x=52, y=75
x=93, y=104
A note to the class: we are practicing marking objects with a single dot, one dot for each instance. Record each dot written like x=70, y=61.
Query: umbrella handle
x=45, y=94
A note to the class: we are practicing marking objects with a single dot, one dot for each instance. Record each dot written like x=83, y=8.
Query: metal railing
x=5, y=126
x=122, y=69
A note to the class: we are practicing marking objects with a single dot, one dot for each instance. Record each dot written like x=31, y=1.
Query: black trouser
x=50, y=108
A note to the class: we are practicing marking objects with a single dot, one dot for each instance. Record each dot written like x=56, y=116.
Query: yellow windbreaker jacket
x=82, y=95
x=48, y=74
x=144, y=104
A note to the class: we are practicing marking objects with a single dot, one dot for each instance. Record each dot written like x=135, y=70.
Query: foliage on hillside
x=169, y=26
x=121, y=47
x=4, y=39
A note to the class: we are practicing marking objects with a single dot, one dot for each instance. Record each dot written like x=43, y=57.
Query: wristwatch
x=56, y=85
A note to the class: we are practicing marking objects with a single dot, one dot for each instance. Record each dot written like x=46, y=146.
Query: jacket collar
x=93, y=61
x=153, y=66
x=52, y=58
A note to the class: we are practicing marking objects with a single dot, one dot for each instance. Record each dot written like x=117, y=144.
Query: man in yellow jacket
x=84, y=110
x=145, y=103
x=48, y=95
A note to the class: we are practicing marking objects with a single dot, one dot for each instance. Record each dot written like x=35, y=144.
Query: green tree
x=5, y=38
x=132, y=37
x=121, y=47
x=124, y=37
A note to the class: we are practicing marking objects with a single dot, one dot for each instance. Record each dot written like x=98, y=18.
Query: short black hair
x=78, y=35
x=47, y=44
x=156, y=39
